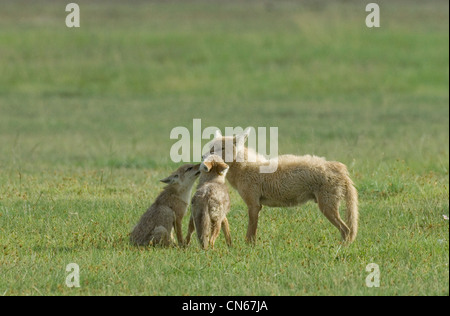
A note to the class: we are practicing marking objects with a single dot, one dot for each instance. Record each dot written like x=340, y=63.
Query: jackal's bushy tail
x=351, y=200
x=203, y=227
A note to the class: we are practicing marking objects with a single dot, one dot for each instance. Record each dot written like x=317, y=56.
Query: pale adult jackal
x=210, y=204
x=167, y=212
x=296, y=180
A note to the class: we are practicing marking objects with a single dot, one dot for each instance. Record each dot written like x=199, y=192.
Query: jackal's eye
x=189, y=169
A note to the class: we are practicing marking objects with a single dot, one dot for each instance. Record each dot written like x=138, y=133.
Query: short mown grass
x=86, y=114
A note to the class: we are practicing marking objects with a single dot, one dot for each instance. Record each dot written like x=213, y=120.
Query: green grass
x=85, y=118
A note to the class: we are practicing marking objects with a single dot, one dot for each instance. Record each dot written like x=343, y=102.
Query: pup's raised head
x=214, y=166
x=184, y=175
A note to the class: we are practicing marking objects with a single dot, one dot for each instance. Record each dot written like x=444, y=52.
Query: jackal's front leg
x=253, y=214
x=178, y=231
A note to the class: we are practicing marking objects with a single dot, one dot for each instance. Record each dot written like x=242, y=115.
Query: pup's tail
x=203, y=227
x=351, y=199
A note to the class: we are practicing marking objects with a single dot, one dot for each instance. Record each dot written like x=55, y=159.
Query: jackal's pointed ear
x=222, y=168
x=218, y=134
x=242, y=138
x=206, y=166
x=247, y=132
x=168, y=180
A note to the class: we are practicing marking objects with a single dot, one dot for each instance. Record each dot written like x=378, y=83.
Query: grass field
x=85, y=118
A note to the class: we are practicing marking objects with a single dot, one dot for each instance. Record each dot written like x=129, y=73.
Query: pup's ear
x=168, y=180
x=206, y=166
x=222, y=168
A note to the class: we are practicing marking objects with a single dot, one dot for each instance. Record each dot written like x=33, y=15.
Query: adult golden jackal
x=296, y=180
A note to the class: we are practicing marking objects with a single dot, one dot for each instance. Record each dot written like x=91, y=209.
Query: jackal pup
x=167, y=212
x=210, y=203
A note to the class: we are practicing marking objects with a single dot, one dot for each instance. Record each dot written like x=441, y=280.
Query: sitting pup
x=210, y=204
x=167, y=212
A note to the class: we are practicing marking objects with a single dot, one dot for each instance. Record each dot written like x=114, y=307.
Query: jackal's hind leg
x=161, y=237
x=330, y=208
x=226, y=231
x=215, y=231
x=191, y=229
